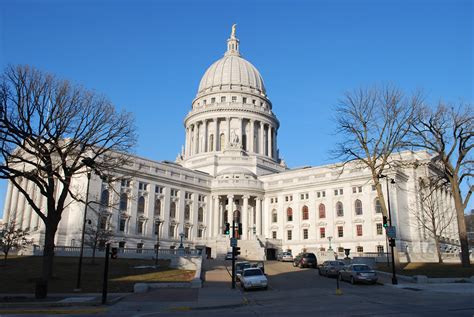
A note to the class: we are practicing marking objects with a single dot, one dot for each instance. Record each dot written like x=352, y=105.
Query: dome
x=232, y=72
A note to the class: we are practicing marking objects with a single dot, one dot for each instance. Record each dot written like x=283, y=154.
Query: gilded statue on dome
x=232, y=35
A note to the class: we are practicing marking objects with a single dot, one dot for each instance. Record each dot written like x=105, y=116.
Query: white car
x=253, y=278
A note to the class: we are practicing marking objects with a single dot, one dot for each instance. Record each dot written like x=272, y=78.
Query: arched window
x=289, y=214
x=157, y=207
x=187, y=212
x=322, y=211
x=339, y=209
x=123, y=201
x=211, y=143
x=104, y=198
x=358, y=207
x=274, y=215
x=222, y=142
x=141, y=205
x=173, y=210
x=200, y=214
x=378, y=207
x=305, y=213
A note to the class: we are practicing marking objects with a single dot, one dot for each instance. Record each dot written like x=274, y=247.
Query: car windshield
x=335, y=263
x=309, y=255
x=253, y=272
x=359, y=268
x=242, y=266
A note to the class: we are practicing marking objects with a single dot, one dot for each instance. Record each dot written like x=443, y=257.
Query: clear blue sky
x=148, y=56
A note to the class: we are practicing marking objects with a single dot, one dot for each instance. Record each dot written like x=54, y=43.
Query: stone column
x=275, y=152
x=165, y=209
x=8, y=203
x=250, y=142
x=216, y=133
x=195, y=138
x=258, y=216
x=270, y=141
x=186, y=145
x=228, y=131
x=245, y=221
x=261, y=143
x=241, y=124
x=221, y=215
x=206, y=137
x=230, y=208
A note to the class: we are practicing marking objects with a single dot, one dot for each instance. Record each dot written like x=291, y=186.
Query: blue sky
x=148, y=57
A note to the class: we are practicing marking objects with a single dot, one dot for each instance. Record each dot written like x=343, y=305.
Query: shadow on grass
x=436, y=270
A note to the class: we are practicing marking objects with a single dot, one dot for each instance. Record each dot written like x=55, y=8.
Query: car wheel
x=352, y=280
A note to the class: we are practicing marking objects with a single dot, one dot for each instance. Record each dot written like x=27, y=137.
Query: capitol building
x=230, y=168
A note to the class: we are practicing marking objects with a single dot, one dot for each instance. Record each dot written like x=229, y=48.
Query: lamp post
x=330, y=248
x=392, y=244
x=181, y=235
x=158, y=223
x=89, y=163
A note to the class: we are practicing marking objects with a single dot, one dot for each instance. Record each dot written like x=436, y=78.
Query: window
x=354, y=190
x=339, y=209
x=140, y=226
x=141, y=205
x=174, y=192
x=336, y=192
x=186, y=232
x=171, y=231
x=204, y=101
x=157, y=228
x=201, y=198
x=322, y=233
x=378, y=207
x=359, y=189
x=253, y=101
x=188, y=195
x=173, y=210
x=158, y=189
x=223, y=99
x=289, y=198
x=187, y=212
x=305, y=213
x=289, y=234
x=322, y=211
x=274, y=216
x=125, y=183
x=379, y=229
x=341, y=191
x=304, y=196
x=358, y=207
x=360, y=249
x=221, y=142
x=359, y=230
x=305, y=234
x=340, y=250
x=244, y=100
x=200, y=214
x=289, y=214
x=234, y=99
x=340, y=231
x=122, y=224
x=200, y=232
x=211, y=142
x=274, y=234
x=157, y=211
x=104, y=198
x=318, y=194
x=123, y=202
x=142, y=186
x=380, y=249
x=103, y=222
x=213, y=100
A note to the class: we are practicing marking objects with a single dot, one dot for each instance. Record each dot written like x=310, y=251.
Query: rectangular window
x=254, y=101
x=318, y=194
x=125, y=183
x=142, y=186
x=122, y=225
x=380, y=249
x=186, y=233
x=360, y=249
x=379, y=229
x=234, y=99
x=324, y=193
x=302, y=196
x=158, y=189
x=174, y=192
x=336, y=192
x=359, y=230
x=276, y=200
x=354, y=190
x=204, y=102
x=271, y=200
x=274, y=234
x=223, y=99
x=359, y=189
x=341, y=191
x=213, y=100
x=322, y=233
x=199, y=233
x=187, y=195
x=171, y=231
x=157, y=228
x=340, y=231
x=305, y=233
x=140, y=227
x=244, y=100
x=289, y=234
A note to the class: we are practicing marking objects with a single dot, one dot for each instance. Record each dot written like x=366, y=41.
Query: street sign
x=391, y=232
x=233, y=242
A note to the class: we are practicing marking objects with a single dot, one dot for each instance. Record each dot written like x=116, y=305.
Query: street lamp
x=158, y=223
x=392, y=244
x=330, y=248
x=181, y=235
x=89, y=163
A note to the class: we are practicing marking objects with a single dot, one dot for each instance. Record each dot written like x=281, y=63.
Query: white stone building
x=230, y=168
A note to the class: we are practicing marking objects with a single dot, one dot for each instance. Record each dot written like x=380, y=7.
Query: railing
x=70, y=250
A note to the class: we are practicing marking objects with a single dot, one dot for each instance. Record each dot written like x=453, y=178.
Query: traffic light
x=240, y=229
x=385, y=224
x=114, y=252
x=236, y=251
x=391, y=242
x=227, y=228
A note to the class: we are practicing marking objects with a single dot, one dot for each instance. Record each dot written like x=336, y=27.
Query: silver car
x=286, y=257
x=253, y=278
x=358, y=273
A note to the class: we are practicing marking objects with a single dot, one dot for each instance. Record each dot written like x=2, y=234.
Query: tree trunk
x=48, y=255
x=461, y=224
x=438, y=251
x=94, y=246
x=5, y=257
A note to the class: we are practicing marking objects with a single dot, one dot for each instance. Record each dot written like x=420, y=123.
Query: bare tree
x=98, y=231
x=374, y=123
x=433, y=215
x=448, y=132
x=12, y=237
x=51, y=133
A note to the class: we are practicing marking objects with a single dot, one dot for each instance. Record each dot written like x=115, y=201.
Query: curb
x=60, y=304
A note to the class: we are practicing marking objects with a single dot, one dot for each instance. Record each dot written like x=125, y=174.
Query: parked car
x=260, y=265
x=306, y=259
x=285, y=257
x=358, y=273
x=253, y=278
x=228, y=256
x=239, y=267
x=331, y=268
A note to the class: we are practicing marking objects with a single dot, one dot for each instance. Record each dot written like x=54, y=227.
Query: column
x=216, y=133
x=261, y=143
x=206, y=137
x=245, y=221
x=269, y=141
x=228, y=132
x=221, y=215
x=186, y=142
x=241, y=124
x=230, y=208
x=215, y=217
x=258, y=215
x=194, y=217
x=195, y=139
x=251, y=148
x=274, y=137
x=8, y=202
x=180, y=212
x=165, y=216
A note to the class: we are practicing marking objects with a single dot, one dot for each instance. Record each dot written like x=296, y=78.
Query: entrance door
x=271, y=254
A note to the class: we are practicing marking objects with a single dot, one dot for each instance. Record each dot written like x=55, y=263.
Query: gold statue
x=232, y=35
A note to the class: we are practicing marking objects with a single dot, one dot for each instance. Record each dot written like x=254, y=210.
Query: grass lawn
x=20, y=273
x=430, y=269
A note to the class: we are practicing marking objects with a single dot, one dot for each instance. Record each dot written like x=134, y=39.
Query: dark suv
x=306, y=260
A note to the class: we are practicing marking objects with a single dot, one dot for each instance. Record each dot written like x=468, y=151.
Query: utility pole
x=233, y=254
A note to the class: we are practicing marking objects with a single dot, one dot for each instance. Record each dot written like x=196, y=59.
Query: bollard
x=106, y=274
x=338, y=290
